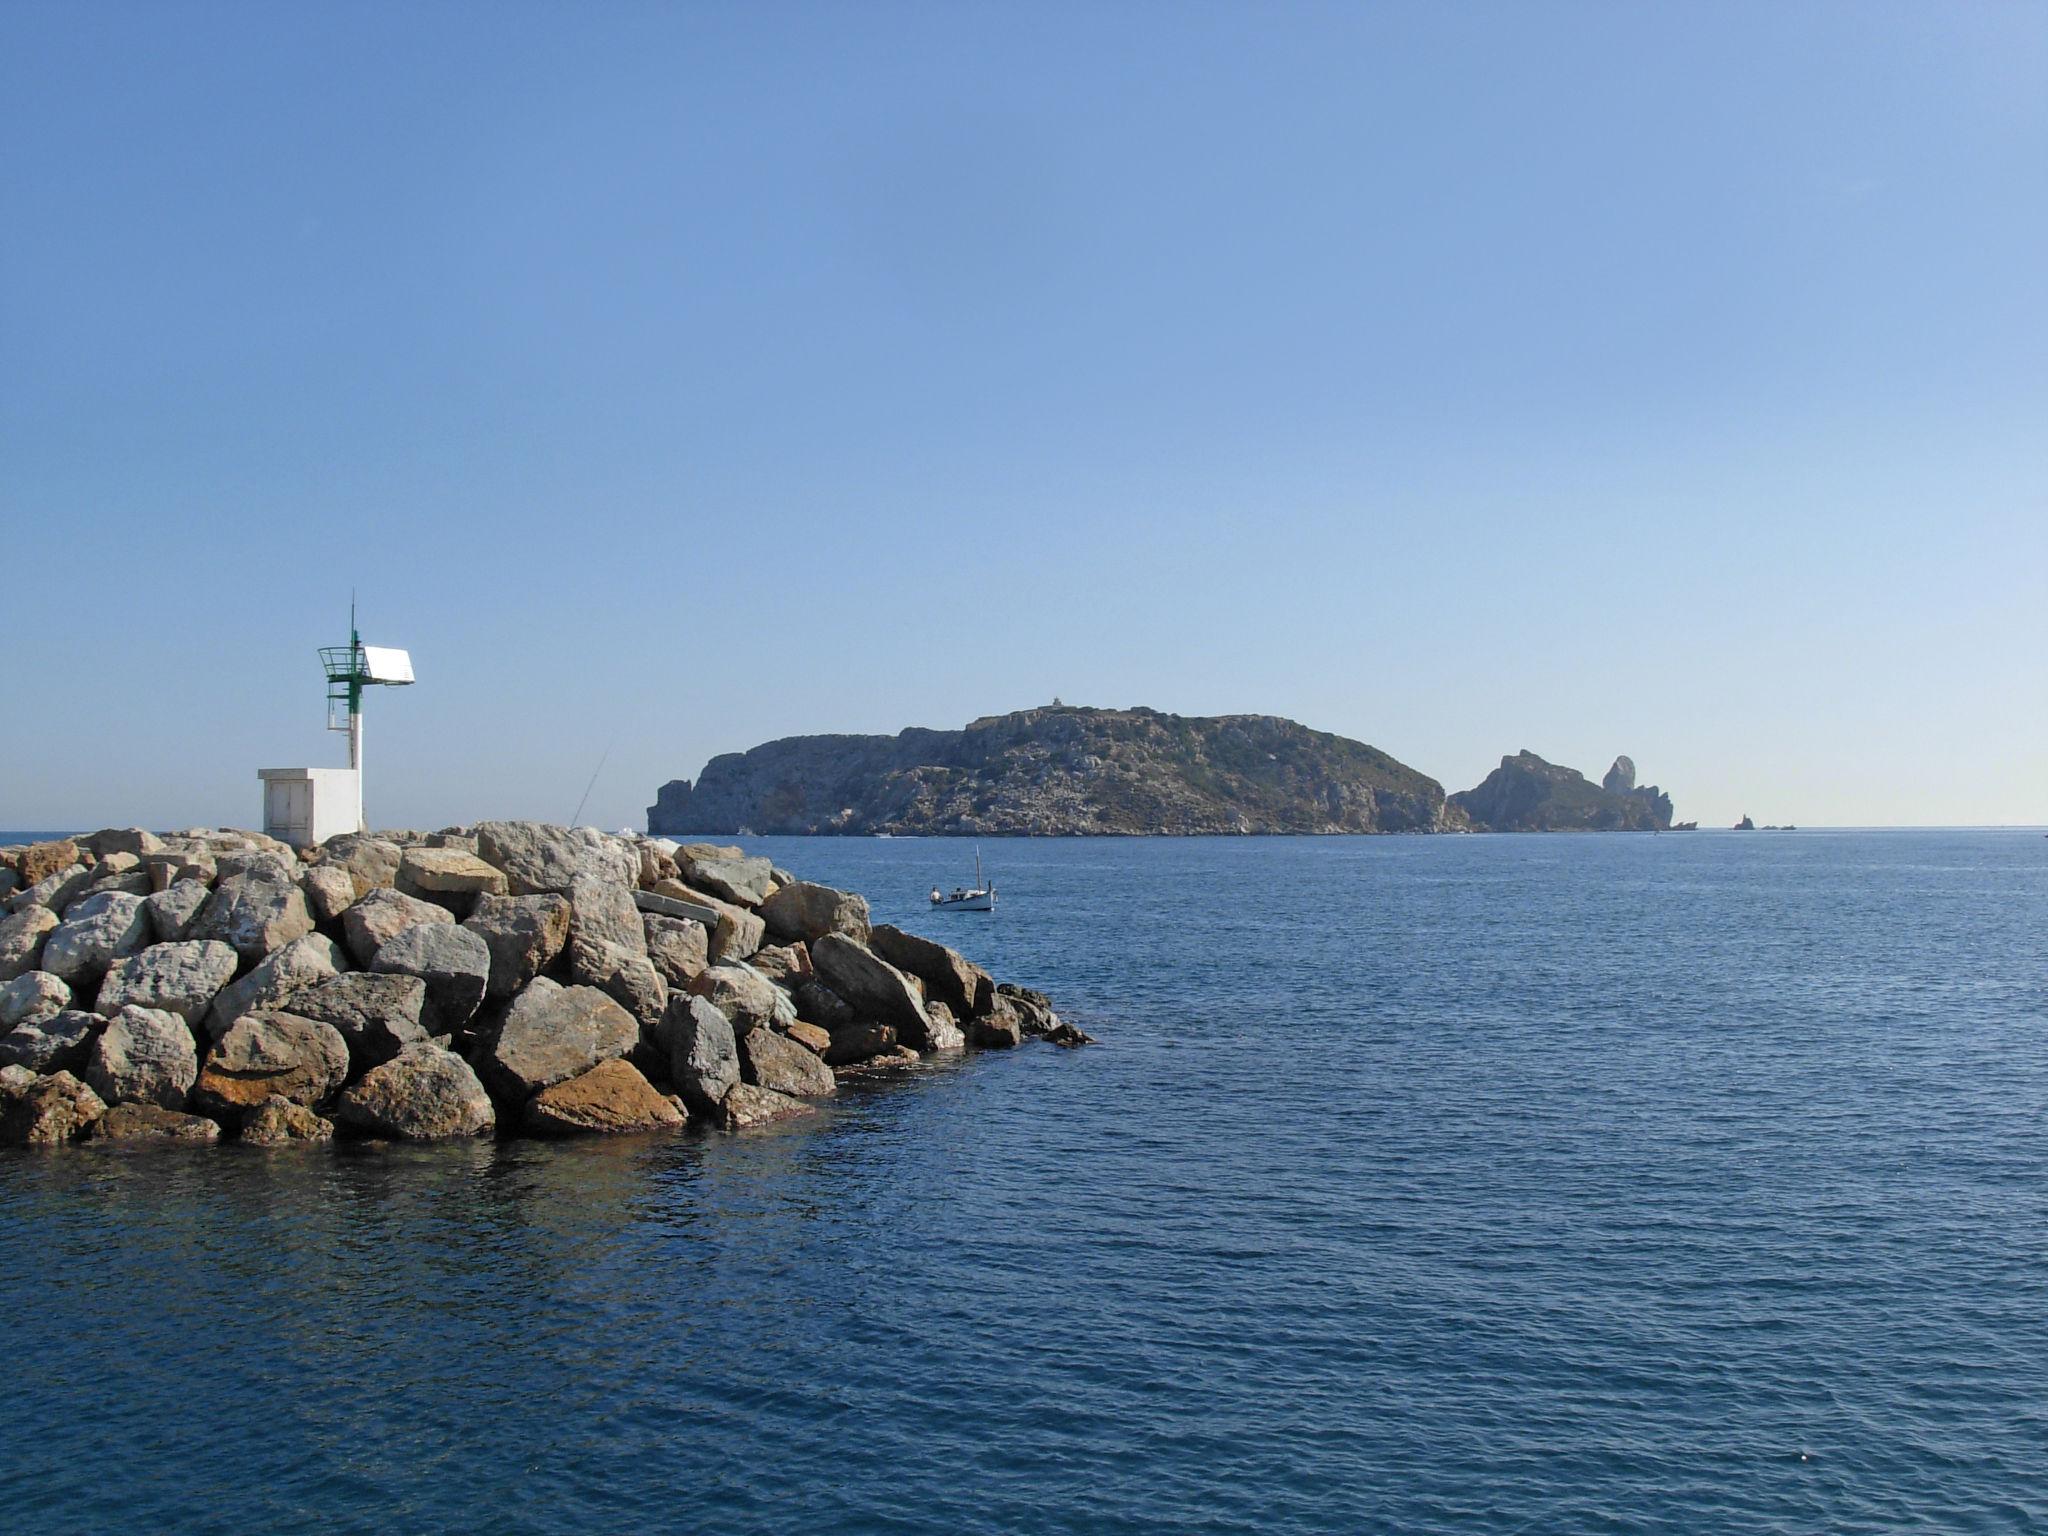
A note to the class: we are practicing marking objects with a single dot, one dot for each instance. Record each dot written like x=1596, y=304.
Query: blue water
x=1514, y=1184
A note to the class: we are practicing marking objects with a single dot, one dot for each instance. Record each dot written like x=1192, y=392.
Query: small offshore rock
x=999, y=1029
x=424, y=1093
x=704, y=1059
x=769, y=1060
x=174, y=908
x=255, y=913
x=453, y=962
x=278, y=1122
x=745, y=1105
x=49, y=1111
x=152, y=1124
x=56, y=1043
x=21, y=940
x=611, y=1097
x=523, y=935
x=143, y=1056
x=180, y=978
x=381, y=917
x=271, y=1053
x=305, y=962
x=801, y=910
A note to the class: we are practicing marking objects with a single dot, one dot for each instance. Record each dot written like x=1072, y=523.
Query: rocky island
x=506, y=978
x=1067, y=771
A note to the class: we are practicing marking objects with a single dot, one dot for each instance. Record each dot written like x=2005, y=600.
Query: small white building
x=306, y=806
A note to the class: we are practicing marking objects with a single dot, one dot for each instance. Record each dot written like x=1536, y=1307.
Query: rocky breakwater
x=510, y=978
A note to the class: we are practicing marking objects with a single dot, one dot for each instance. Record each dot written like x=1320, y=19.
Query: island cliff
x=1527, y=794
x=1059, y=771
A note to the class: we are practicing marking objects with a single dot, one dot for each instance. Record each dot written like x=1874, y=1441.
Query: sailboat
x=978, y=898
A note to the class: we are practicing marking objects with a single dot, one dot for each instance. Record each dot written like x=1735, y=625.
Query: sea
x=1513, y=1184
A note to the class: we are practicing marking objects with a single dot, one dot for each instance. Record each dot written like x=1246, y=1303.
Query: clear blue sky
x=1587, y=378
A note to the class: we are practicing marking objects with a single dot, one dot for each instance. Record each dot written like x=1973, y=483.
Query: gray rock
x=612, y=1096
x=115, y=874
x=129, y=840
x=30, y=996
x=370, y=862
x=1621, y=778
x=381, y=916
x=602, y=912
x=139, y=1124
x=278, y=1122
x=174, y=908
x=143, y=1056
x=818, y=1004
x=630, y=980
x=53, y=891
x=806, y=911
x=941, y=1033
x=21, y=940
x=739, y=992
x=377, y=1016
x=94, y=934
x=704, y=1058
x=787, y=965
x=948, y=976
x=873, y=988
x=48, y=1111
x=448, y=877
x=264, y=863
x=735, y=932
x=57, y=1043
x=453, y=962
x=422, y=1094
x=747, y=1105
x=270, y=1053
x=254, y=913
x=551, y=1034
x=726, y=873
x=999, y=1029
x=180, y=863
x=329, y=890
x=679, y=948
x=305, y=962
x=177, y=978
x=537, y=857
x=523, y=935
x=768, y=1060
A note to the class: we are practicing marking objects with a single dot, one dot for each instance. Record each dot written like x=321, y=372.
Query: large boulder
x=382, y=916
x=948, y=976
x=855, y=1043
x=118, y=873
x=678, y=947
x=1001, y=1028
x=603, y=912
x=56, y=1043
x=21, y=940
x=370, y=862
x=523, y=934
x=818, y=1004
x=739, y=992
x=805, y=911
x=871, y=986
x=256, y=914
x=278, y=1122
x=735, y=933
x=787, y=965
x=537, y=857
x=376, y=1015
x=174, y=908
x=133, y=841
x=94, y=934
x=448, y=877
x=305, y=962
x=726, y=873
x=422, y=1094
x=178, y=978
x=768, y=1060
x=703, y=1057
x=48, y=1111
x=941, y=1033
x=39, y=861
x=271, y=1053
x=264, y=863
x=453, y=962
x=612, y=1096
x=550, y=1034
x=143, y=1056
x=30, y=996
x=53, y=891
x=182, y=862
x=748, y=1105
x=329, y=890
x=628, y=979
x=141, y=1124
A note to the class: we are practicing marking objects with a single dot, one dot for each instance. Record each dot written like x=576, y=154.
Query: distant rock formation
x=1745, y=825
x=1058, y=771
x=1527, y=794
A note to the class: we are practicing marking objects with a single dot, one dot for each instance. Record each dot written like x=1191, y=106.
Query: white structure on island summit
x=305, y=806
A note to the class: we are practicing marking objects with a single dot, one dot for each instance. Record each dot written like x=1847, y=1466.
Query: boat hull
x=975, y=901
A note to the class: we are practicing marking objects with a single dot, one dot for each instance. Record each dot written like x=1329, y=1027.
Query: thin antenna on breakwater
x=577, y=819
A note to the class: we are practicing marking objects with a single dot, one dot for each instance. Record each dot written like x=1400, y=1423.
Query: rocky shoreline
x=509, y=978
